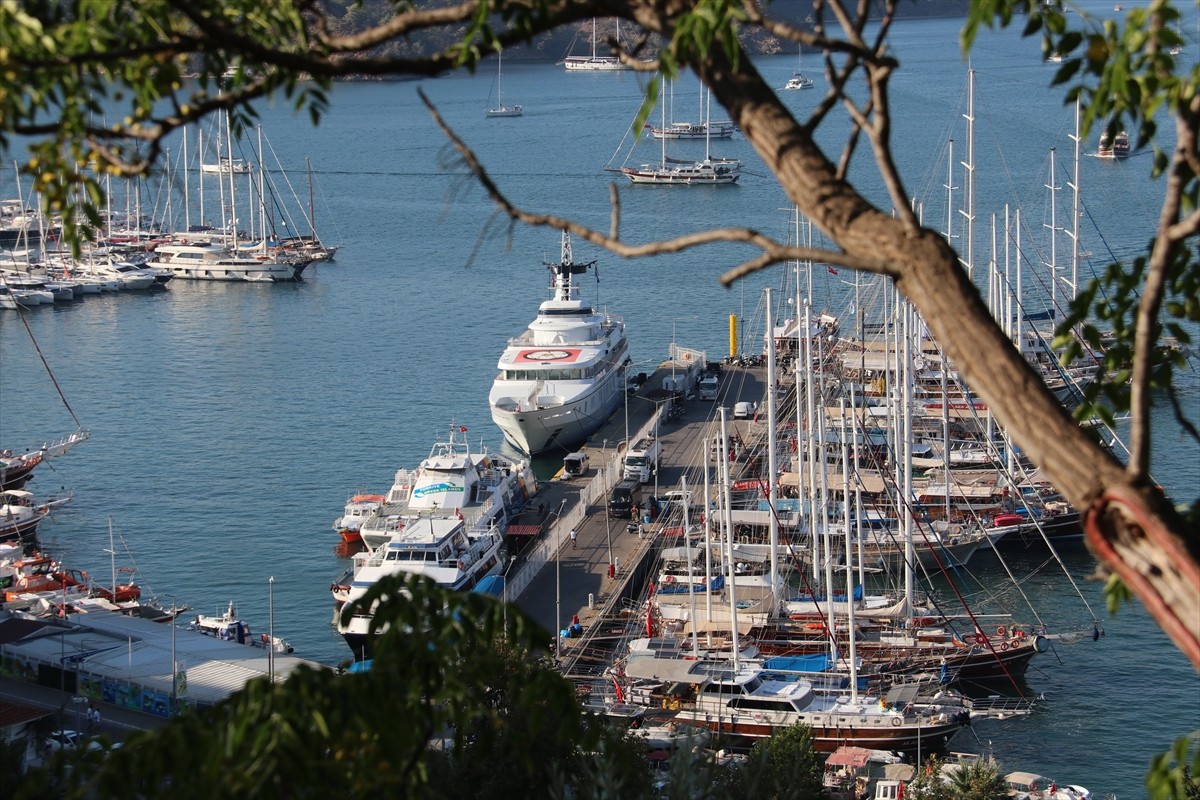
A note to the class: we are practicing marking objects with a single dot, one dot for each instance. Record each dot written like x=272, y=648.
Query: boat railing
x=60, y=446
x=999, y=707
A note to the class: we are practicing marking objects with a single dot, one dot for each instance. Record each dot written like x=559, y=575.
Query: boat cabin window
x=544, y=374
x=411, y=555
x=761, y=704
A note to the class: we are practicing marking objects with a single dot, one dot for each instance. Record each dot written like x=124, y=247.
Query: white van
x=742, y=410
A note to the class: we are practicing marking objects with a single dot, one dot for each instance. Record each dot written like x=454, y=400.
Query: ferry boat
x=440, y=548
x=481, y=489
x=561, y=379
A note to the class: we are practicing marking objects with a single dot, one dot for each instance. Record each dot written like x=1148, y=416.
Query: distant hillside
x=347, y=17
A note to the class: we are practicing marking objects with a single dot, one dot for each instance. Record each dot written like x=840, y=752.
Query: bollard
x=591, y=601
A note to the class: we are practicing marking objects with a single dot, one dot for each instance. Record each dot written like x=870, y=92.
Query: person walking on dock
x=574, y=536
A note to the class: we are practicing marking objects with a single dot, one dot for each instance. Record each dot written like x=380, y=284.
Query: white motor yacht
x=213, y=262
x=561, y=379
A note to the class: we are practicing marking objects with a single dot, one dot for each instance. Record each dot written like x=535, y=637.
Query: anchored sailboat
x=501, y=110
x=595, y=63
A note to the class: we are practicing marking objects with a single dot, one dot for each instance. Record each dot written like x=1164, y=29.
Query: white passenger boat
x=481, y=489
x=561, y=379
x=437, y=547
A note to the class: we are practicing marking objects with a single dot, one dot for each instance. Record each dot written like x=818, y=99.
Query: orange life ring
x=1000, y=631
x=669, y=579
x=1003, y=646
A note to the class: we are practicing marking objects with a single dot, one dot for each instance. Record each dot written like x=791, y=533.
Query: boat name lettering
x=437, y=488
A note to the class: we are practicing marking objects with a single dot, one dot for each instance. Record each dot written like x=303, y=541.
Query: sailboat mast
x=727, y=517
x=232, y=197
x=772, y=458
x=312, y=214
x=687, y=543
x=969, y=167
x=1074, y=234
x=849, y=548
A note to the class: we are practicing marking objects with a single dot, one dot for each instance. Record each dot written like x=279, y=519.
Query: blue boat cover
x=492, y=585
x=813, y=663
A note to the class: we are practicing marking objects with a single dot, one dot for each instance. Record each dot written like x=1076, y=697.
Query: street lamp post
x=608, y=519
x=271, y=627
x=558, y=583
x=174, y=667
x=512, y=560
x=627, y=365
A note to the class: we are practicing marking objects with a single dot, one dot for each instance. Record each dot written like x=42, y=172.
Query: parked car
x=742, y=410
x=64, y=740
x=74, y=740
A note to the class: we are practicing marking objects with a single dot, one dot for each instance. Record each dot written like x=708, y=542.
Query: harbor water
x=229, y=423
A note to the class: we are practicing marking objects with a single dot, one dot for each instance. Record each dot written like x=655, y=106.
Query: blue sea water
x=230, y=422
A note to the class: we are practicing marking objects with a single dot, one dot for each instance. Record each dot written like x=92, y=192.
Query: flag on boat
x=832, y=271
x=462, y=428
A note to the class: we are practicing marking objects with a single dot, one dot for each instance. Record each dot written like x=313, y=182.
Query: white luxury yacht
x=562, y=378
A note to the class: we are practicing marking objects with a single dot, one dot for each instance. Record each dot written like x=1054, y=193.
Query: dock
x=598, y=581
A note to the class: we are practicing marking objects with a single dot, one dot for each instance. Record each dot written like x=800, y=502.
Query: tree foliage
x=65, y=66
x=784, y=766
x=460, y=701
x=974, y=780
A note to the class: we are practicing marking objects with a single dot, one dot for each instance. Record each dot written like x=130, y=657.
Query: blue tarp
x=492, y=585
x=814, y=663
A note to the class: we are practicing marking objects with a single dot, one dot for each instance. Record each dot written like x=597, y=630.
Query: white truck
x=708, y=387
x=641, y=462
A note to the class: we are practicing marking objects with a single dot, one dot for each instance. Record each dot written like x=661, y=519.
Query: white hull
x=467, y=566
x=565, y=425
x=593, y=64
x=202, y=262
x=683, y=130
x=681, y=176
x=562, y=378
x=504, y=111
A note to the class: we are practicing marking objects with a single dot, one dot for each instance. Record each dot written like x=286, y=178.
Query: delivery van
x=625, y=495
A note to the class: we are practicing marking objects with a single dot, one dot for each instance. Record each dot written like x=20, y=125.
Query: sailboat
x=500, y=109
x=225, y=164
x=722, y=129
x=594, y=63
x=672, y=171
x=799, y=80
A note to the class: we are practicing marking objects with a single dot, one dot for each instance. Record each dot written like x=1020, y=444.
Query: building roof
x=13, y=714
x=139, y=651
